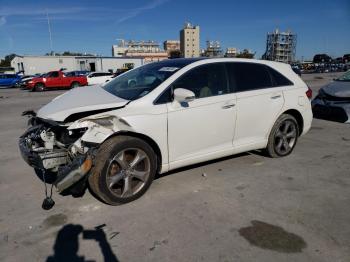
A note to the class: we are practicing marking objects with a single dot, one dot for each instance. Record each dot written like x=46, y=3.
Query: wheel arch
x=298, y=116
x=147, y=139
x=40, y=83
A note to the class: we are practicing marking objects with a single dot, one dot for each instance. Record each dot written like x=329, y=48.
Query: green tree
x=6, y=62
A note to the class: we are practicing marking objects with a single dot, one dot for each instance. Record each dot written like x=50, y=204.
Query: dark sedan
x=333, y=101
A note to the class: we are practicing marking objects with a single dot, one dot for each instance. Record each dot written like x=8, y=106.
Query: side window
x=248, y=76
x=205, y=81
x=278, y=79
x=166, y=97
x=54, y=74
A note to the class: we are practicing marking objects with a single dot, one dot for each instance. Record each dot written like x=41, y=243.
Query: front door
x=52, y=80
x=204, y=127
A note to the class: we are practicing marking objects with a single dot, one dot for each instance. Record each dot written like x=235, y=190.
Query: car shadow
x=181, y=169
x=67, y=244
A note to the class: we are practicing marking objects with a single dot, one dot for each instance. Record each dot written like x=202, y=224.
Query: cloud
x=76, y=13
x=33, y=11
x=2, y=20
x=137, y=11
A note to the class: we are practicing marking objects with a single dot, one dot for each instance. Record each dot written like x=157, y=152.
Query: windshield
x=141, y=81
x=345, y=77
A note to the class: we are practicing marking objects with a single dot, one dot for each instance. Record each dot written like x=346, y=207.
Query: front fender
x=100, y=128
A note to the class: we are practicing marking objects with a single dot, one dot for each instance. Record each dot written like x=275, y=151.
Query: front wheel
x=283, y=136
x=39, y=87
x=125, y=168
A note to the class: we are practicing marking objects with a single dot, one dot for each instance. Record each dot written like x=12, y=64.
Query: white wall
x=116, y=63
x=42, y=64
x=34, y=64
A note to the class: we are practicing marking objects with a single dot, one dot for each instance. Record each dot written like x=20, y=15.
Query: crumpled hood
x=79, y=100
x=338, y=89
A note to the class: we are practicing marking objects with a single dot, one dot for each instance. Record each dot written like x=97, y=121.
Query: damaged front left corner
x=67, y=151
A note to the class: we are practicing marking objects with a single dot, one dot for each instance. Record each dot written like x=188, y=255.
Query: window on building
x=60, y=61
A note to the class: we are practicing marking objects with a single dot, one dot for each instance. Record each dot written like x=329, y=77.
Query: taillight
x=309, y=93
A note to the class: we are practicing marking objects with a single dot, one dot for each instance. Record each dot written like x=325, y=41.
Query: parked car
x=77, y=73
x=98, y=78
x=179, y=112
x=55, y=79
x=24, y=80
x=333, y=100
x=9, y=80
x=322, y=58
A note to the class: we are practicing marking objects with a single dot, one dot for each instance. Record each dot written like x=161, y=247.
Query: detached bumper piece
x=72, y=173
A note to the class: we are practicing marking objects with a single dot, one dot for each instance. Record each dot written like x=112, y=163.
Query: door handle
x=228, y=106
x=275, y=96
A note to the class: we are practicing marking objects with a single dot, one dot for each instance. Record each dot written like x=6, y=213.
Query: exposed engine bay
x=55, y=150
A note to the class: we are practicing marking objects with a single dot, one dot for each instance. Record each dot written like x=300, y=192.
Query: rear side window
x=248, y=76
x=278, y=79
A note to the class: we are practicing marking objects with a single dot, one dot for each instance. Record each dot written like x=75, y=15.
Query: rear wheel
x=283, y=136
x=124, y=170
x=39, y=87
x=74, y=85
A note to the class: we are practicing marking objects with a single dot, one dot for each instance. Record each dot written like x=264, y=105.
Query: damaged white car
x=161, y=116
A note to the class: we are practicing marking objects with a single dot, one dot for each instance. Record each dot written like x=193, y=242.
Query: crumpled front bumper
x=31, y=158
x=68, y=174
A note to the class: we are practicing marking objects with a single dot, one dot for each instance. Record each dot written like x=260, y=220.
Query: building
x=150, y=51
x=41, y=64
x=213, y=49
x=280, y=46
x=231, y=52
x=189, y=41
x=171, y=45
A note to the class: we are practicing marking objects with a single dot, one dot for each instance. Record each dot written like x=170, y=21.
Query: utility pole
x=49, y=26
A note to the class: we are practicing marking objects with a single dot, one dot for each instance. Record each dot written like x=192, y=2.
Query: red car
x=55, y=79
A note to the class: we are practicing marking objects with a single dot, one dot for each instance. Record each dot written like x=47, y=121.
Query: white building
x=149, y=50
x=40, y=64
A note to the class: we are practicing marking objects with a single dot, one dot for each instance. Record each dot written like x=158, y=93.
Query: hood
x=78, y=100
x=338, y=89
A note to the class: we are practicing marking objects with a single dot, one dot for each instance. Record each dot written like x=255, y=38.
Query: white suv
x=163, y=116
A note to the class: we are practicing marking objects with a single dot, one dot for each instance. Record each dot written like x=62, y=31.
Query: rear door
x=259, y=101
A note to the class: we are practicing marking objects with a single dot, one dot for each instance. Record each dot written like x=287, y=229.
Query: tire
x=129, y=181
x=74, y=84
x=39, y=87
x=283, y=137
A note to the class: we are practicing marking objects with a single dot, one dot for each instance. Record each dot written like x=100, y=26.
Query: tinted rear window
x=248, y=76
x=278, y=79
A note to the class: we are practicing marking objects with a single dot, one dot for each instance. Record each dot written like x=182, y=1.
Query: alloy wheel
x=128, y=172
x=285, y=137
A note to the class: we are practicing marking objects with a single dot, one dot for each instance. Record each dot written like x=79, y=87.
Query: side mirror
x=182, y=95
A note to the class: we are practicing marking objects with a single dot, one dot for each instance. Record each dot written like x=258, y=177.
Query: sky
x=93, y=26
